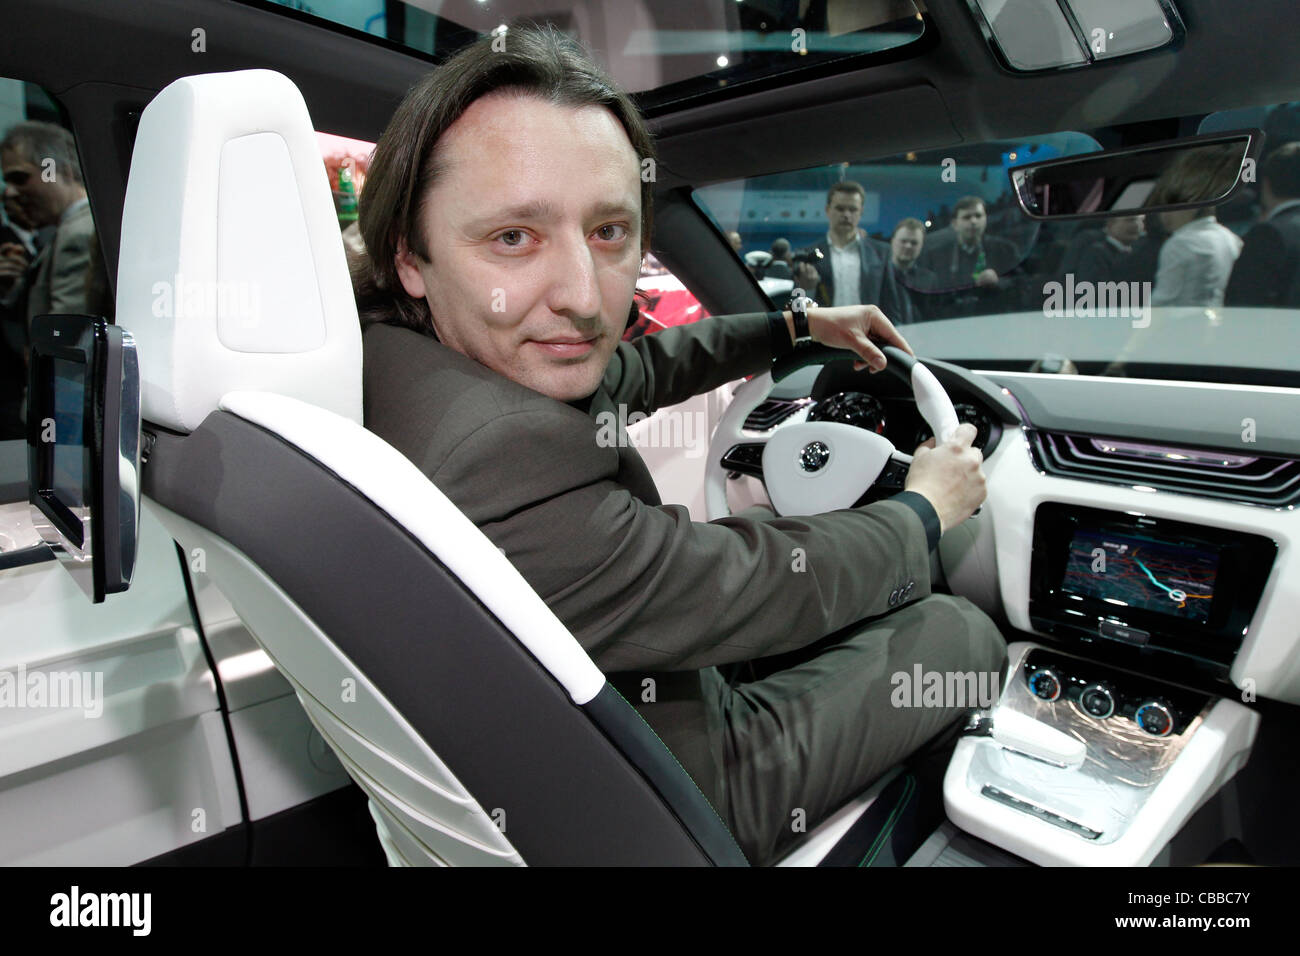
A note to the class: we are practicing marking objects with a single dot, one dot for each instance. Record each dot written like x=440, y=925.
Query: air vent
x=772, y=412
x=1247, y=479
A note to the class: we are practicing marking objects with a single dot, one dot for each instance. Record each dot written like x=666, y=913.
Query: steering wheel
x=814, y=467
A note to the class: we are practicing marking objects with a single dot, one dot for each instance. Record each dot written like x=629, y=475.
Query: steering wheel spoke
x=810, y=467
x=894, y=474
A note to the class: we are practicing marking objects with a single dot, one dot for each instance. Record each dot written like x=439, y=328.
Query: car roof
x=105, y=61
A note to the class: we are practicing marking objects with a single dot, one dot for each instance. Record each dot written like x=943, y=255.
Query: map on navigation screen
x=1135, y=571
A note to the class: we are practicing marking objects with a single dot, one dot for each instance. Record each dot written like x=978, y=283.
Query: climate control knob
x=1155, y=718
x=1044, y=684
x=1097, y=701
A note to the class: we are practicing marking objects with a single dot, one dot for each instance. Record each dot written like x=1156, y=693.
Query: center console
x=1085, y=763
x=1153, y=753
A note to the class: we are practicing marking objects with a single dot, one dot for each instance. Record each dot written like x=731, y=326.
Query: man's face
x=970, y=224
x=533, y=233
x=906, y=246
x=1126, y=229
x=844, y=210
x=29, y=200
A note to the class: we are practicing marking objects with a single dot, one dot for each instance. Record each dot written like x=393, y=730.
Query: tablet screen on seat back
x=83, y=430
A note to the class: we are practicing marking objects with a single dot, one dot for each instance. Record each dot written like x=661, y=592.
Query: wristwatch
x=799, y=303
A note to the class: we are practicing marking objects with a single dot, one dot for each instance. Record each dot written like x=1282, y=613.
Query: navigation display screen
x=1136, y=571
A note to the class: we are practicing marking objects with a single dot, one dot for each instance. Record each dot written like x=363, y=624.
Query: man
x=913, y=280
x=973, y=258
x=1267, y=273
x=847, y=267
x=43, y=194
x=781, y=251
x=44, y=185
x=502, y=289
x=1110, y=258
x=973, y=265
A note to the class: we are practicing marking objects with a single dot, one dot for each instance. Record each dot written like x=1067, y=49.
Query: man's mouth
x=566, y=346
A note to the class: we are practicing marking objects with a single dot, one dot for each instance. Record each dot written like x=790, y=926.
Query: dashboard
x=1122, y=532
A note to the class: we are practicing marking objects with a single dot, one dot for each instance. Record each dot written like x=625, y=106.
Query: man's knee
x=969, y=638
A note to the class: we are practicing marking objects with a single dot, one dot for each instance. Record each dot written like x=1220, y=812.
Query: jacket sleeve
x=642, y=587
x=69, y=262
x=670, y=366
x=1260, y=274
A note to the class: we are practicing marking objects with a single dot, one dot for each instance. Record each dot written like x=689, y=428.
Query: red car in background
x=663, y=301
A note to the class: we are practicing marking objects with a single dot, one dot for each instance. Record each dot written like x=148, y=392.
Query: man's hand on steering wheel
x=813, y=466
x=950, y=476
x=854, y=327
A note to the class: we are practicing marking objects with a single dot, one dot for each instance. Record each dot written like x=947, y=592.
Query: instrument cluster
x=896, y=418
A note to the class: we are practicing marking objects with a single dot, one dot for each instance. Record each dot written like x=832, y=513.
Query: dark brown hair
x=1281, y=168
x=37, y=141
x=847, y=186
x=533, y=60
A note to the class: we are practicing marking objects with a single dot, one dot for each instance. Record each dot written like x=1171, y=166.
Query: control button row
x=1097, y=700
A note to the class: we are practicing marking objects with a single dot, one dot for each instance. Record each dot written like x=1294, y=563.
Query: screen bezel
x=101, y=559
x=1245, y=561
x=73, y=342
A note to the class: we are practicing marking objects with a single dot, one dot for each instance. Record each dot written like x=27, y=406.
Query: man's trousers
x=777, y=755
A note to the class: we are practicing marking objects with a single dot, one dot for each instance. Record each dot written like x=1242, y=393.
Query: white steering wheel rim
x=858, y=446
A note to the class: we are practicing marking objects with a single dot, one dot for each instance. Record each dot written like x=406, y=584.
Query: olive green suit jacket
x=644, y=589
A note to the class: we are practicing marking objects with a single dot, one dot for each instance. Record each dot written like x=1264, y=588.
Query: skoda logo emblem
x=813, y=456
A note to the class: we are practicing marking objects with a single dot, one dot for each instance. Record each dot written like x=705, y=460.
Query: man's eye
x=612, y=232
x=512, y=237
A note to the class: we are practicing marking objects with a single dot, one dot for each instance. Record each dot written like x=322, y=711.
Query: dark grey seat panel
x=509, y=732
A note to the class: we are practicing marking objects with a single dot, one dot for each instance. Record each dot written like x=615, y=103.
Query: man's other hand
x=950, y=476
x=806, y=277
x=857, y=328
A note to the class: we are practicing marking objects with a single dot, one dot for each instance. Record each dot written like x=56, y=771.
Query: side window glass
x=50, y=260
x=346, y=163
x=662, y=301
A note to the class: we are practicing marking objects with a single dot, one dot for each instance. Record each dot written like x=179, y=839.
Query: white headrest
x=232, y=275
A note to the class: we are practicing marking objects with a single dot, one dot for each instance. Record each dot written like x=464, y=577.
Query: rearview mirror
x=1179, y=174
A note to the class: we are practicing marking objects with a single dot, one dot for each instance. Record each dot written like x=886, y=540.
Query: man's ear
x=408, y=271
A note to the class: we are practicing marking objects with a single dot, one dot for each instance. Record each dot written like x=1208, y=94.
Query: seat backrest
x=479, y=728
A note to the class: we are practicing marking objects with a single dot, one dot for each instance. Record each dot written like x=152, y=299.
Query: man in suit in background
x=848, y=267
x=1109, y=257
x=973, y=265
x=1267, y=273
x=494, y=304
x=44, y=190
x=43, y=182
x=913, y=280
x=975, y=258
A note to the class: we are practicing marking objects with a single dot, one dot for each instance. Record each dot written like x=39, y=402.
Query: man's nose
x=575, y=290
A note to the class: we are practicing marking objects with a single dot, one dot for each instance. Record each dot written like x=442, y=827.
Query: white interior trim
x=404, y=493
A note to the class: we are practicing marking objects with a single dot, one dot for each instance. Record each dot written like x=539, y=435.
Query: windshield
x=937, y=240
